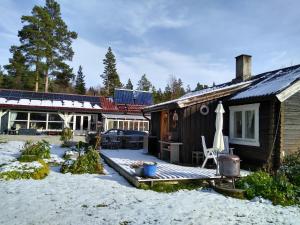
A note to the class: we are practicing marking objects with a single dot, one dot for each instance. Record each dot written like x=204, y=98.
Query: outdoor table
x=173, y=148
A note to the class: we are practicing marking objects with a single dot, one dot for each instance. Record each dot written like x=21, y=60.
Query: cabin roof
x=282, y=83
x=270, y=83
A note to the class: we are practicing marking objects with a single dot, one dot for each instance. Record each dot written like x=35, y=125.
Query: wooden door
x=164, y=125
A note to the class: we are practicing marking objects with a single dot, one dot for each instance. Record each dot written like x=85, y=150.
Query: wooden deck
x=121, y=160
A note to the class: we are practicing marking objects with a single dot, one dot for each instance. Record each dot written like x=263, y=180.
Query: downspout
x=271, y=154
x=149, y=120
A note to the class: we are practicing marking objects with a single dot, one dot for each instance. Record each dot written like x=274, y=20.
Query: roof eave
x=289, y=91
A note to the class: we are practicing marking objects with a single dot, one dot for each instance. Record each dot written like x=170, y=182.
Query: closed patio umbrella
x=218, y=139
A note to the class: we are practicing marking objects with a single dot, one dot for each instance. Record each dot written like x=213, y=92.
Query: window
x=55, y=122
x=244, y=124
x=18, y=120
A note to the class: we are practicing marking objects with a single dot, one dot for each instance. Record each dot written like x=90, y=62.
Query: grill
x=229, y=165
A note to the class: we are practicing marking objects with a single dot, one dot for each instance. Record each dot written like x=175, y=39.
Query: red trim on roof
x=109, y=106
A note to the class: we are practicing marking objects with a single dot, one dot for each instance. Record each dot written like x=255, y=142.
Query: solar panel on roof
x=16, y=95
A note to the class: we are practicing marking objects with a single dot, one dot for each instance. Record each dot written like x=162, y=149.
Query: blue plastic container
x=150, y=170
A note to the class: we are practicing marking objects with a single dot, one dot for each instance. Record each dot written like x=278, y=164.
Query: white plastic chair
x=227, y=150
x=208, y=153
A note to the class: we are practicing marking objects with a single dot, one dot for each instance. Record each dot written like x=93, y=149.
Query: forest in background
x=40, y=62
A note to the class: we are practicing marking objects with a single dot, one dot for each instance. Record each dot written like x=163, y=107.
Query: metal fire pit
x=229, y=165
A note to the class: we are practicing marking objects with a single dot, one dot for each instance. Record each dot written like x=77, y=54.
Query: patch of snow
x=77, y=104
x=24, y=101
x=110, y=199
x=202, y=92
x=54, y=159
x=271, y=83
x=261, y=200
x=21, y=167
x=72, y=154
x=87, y=105
x=3, y=100
x=96, y=106
x=10, y=151
x=68, y=103
x=46, y=103
x=12, y=102
x=57, y=103
x=36, y=102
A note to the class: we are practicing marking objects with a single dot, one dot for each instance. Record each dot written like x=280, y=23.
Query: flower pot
x=139, y=171
x=150, y=169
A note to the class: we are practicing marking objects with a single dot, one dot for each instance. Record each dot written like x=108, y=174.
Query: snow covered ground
x=109, y=199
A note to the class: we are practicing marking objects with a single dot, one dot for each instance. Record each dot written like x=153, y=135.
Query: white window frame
x=243, y=109
x=140, y=123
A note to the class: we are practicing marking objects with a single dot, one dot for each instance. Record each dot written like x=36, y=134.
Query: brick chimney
x=243, y=68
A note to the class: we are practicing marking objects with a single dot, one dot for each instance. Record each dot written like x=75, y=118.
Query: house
x=123, y=111
x=49, y=113
x=262, y=116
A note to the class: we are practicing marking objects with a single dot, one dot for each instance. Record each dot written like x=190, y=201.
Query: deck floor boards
x=165, y=171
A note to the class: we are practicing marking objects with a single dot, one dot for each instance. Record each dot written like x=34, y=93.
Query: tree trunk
x=46, y=81
x=37, y=81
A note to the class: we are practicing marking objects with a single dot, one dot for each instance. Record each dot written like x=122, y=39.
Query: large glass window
x=249, y=124
x=55, y=122
x=244, y=124
x=18, y=120
x=38, y=116
x=237, y=124
x=55, y=117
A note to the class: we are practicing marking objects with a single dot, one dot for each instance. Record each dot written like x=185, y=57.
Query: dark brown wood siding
x=155, y=124
x=195, y=125
x=291, y=124
x=263, y=155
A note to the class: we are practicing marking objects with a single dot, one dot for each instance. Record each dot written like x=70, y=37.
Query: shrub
x=89, y=162
x=34, y=151
x=94, y=139
x=27, y=173
x=291, y=168
x=277, y=189
x=166, y=187
x=66, y=136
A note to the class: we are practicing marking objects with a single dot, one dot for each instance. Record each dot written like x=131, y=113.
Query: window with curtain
x=18, y=120
x=244, y=124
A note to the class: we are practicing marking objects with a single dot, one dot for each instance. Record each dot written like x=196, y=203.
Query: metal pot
x=229, y=165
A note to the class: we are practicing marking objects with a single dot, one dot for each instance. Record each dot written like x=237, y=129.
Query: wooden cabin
x=262, y=117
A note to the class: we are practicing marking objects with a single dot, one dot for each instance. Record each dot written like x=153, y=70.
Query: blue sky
x=195, y=40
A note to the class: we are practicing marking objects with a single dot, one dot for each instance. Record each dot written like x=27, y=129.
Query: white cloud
x=90, y=57
x=160, y=64
x=157, y=64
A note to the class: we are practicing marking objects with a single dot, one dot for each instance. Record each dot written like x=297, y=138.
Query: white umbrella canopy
x=218, y=139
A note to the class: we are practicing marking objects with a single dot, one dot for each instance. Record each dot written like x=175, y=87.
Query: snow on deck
x=165, y=170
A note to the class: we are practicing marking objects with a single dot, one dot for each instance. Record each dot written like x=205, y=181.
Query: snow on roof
x=270, y=83
x=24, y=101
x=205, y=91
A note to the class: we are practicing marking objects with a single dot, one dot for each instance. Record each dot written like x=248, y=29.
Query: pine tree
x=157, y=95
x=46, y=42
x=80, y=83
x=129, y=85
x=2, y=77
x=60, y=39
x=144, y=84
x=188, y=89
x=19, y=75
x=111, y=79
x=200, y=86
